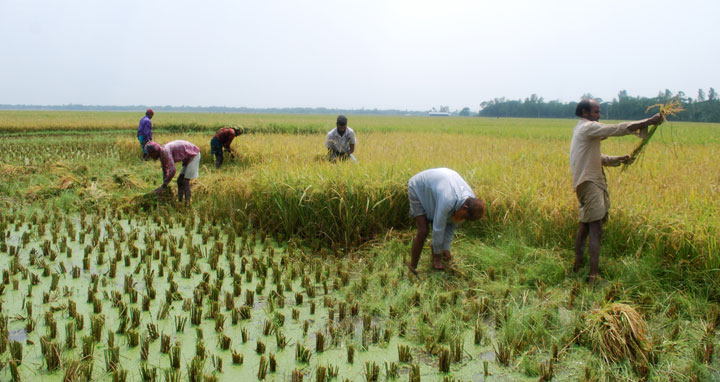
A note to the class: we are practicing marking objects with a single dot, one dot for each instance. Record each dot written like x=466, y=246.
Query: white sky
x=405, y=54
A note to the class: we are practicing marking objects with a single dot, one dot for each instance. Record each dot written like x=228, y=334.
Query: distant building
x=439, y=114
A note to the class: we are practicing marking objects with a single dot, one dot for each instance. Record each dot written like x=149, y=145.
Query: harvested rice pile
x=617, y=331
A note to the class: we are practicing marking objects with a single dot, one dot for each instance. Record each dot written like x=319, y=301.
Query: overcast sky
x=409, y=54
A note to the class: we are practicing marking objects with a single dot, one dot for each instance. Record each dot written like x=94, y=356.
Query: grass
x=344, y=233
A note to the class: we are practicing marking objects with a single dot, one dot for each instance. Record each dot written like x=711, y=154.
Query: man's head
x=153, y=149
x=149, y=113
x=341, y=124
x=472, y=209
x=588, y=109
x=238, y=131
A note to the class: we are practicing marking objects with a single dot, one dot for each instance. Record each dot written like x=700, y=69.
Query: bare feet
x=412, y=270
x=578, y=266
x=593, y=278
x=437, y=262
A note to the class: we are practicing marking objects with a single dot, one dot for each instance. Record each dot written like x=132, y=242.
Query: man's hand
x=159, y=190
x=625, y=159
x=655, y=120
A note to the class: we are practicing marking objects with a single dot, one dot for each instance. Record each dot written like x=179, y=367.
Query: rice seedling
x=195, y=369
x=280, y=339
x=297, y=376
x=112, y=359
x=273, y=362
x=262, y=368
x=148, y=373
x=302, y=354
x=217, y=363
x=319, y=342
x=391, y=371
x=404, y=354
x=372, y=372
x=237, y=358
x=502, y=353
x=414, y=374
x=16, y=352
x=175, y=354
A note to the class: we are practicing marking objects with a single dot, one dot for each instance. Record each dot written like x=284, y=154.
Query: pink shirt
x=176, y=151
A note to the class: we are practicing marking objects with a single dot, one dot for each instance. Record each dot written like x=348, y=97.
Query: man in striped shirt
x=222, y=140
x=176, y=151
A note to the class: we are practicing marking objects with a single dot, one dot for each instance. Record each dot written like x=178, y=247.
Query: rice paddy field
x=289, y=268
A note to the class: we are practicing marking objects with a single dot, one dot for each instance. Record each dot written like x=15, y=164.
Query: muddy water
x=76, y=289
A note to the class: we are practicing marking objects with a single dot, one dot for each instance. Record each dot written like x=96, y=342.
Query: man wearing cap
x=340, y=141
x=144, y=133
x=222, y=140
x=176, y=151
x=442, y=197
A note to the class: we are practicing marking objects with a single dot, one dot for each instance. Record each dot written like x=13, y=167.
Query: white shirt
x=585, y=157
x=442, y=192
x=341, y=144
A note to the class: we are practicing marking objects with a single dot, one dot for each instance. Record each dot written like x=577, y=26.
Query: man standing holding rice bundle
x=586, y=163
x=440, y=196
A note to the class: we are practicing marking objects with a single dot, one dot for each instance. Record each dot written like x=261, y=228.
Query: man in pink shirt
x=176, y=151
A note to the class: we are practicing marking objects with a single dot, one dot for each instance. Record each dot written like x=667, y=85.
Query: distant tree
x=622, y=107
x=465, y=112
x=590, y=96
x=701, y=95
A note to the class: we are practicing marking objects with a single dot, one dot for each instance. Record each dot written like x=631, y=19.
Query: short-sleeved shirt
x=340, y=143
x=225, y=136
x=585, y=157
x=176, y=151
x=441, y=192
x=145, y=128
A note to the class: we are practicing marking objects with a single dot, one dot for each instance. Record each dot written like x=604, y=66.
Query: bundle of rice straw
x=669, y=109
x=617, y=331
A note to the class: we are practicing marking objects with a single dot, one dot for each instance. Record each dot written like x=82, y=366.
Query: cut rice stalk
x=669, y=109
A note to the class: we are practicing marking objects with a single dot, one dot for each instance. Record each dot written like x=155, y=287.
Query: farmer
x=440, y=196
x=588, y=176
x=340, y=141
x=176, y=151
x=222, y=140
x=144, y=133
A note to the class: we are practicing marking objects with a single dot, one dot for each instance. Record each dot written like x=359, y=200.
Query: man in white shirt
x=440, y=196
x=340, y=141
x=586, y=163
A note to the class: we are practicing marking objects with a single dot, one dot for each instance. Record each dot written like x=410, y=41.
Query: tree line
x=703, y=108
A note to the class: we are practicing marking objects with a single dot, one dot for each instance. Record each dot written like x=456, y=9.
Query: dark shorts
x=216, y=148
